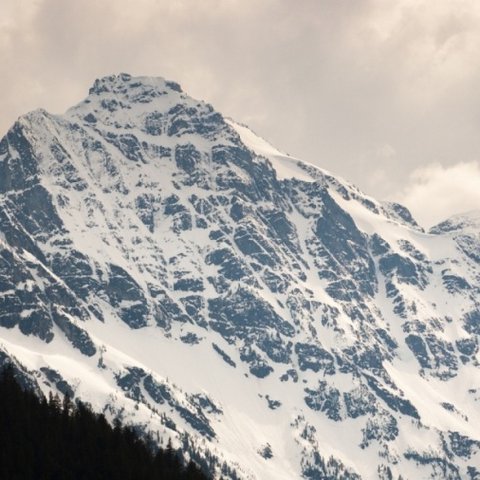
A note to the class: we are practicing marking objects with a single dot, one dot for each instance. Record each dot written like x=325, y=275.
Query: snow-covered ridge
x=464, y=221
x=178, y=272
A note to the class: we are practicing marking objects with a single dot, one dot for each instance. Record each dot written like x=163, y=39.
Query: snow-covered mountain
x=176, y=271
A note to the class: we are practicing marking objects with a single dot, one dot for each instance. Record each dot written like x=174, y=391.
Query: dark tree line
x=50, y=439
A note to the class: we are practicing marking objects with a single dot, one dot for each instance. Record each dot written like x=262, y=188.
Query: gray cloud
x=369, y=89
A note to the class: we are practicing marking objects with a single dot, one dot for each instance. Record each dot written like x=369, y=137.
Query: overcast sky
x=385, y=93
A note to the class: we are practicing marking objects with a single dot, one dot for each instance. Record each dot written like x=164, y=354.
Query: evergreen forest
x=53, y=439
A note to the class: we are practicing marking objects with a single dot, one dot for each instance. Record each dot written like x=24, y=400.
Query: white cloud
x=436, y=192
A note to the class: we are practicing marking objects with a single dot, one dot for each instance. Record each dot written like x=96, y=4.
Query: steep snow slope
x=181, y=274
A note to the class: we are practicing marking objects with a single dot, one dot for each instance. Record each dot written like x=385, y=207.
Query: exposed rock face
x=179, y=273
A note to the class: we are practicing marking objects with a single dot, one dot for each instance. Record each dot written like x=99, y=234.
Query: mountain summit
x=180, y=274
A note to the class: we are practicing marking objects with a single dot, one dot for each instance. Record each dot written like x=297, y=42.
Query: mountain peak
x=124, y=82
x=461, y=221
x=310, y=331
x=122, y=100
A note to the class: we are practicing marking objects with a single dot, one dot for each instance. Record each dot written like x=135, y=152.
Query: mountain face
x=180, y=274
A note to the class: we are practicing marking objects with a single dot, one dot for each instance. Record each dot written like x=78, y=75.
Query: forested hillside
x=56, y=440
